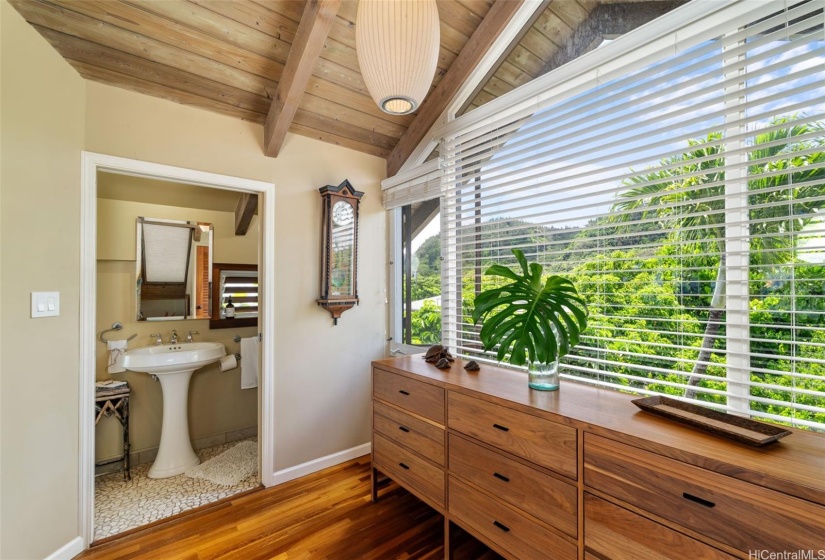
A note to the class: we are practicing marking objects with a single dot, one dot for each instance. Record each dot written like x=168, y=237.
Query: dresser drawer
x=510, y=531
x=739, y=514
x=616, y=533
x=417, y=397
x=539, y=494
x=409, y=470
x=538, y=440
x=421, y=436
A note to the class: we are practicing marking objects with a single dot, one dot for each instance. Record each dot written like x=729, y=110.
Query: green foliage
x=650, y=274
x=426, y=324
x=429, y=257
x=531, y=318
x=423, y=287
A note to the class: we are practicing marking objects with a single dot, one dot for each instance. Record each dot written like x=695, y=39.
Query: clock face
x=342, y=214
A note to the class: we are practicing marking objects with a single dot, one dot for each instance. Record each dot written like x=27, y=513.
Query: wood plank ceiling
x=228, y=56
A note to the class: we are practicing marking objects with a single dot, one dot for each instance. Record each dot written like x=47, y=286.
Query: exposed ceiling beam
x=316, y=22
x=524, y=20
x=244, y=211
x=460, y=71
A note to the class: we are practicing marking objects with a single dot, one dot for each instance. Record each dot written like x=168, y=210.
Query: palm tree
x=674, y=196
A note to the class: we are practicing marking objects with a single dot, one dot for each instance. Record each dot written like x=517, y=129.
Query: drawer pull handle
x=403, y=428
x=698, y=500
x=502, y=526
x=403, y=392
x=403, y=466
x=501, y=477
x=500, y=427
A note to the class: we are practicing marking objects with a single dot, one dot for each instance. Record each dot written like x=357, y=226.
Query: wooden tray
x=726, y=425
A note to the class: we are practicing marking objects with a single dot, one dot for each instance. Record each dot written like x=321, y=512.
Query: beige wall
x=42, y=107
x=322, y=386
x=322, y=372
x=216, y=402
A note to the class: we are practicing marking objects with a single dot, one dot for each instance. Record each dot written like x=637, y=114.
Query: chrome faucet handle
x=189, y=336
x=174, y=338
x=158, y=339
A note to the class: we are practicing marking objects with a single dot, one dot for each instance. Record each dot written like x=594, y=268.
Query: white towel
x=116, y=348
x=249, y=362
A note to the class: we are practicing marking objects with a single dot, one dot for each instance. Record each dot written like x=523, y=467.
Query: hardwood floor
x=327, y=515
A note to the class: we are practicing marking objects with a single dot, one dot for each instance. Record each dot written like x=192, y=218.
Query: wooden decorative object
x=339, y=249
x=726, y=425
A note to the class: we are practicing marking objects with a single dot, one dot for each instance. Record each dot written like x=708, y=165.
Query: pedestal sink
x=173, y=364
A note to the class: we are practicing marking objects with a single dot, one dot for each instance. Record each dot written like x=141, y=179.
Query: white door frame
x=91, y=163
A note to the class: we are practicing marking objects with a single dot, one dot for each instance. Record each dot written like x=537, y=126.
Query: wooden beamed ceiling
x=233, y=57
x=306, y=47
x=437, y=101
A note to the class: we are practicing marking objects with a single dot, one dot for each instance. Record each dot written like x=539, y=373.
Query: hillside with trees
x=653, y=273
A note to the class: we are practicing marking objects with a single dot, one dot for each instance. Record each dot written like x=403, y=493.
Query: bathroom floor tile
x=122, y=505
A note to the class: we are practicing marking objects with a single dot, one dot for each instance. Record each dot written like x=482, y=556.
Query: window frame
x=217, y=321
x=736, y=206
x=396, y=278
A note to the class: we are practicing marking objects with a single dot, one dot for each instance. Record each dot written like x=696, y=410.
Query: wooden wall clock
x=339, y=249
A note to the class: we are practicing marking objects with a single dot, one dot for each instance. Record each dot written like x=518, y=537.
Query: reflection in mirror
x=343, y=234
x=240, y=283
x=174, y=269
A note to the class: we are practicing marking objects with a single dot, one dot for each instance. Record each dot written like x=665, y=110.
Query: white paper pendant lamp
x=397, y=43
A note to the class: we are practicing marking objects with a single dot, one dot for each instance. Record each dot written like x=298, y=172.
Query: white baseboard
x=68, y=550
x=285, y=475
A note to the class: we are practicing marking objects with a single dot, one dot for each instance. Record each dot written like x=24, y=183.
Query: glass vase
x=543, y=377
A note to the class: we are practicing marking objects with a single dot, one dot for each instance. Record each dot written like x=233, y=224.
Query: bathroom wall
x=322, y=387
x=42, y=115
x=217, y=405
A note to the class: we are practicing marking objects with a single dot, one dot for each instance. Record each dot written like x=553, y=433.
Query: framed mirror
x=235, y=285
x=174, y=269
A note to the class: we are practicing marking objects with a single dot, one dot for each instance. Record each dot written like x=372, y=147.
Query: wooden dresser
x=581, y=473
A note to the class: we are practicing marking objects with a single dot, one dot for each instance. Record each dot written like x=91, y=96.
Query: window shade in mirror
x=166, y=252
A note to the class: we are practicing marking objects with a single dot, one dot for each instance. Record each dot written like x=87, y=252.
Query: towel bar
x=115, y=327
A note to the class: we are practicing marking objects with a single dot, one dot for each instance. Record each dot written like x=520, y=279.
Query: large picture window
x=685, y=197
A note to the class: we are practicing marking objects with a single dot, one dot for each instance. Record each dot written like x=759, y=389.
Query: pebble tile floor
x=122, y=505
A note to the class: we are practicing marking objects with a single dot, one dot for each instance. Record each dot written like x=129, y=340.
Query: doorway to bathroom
x=166, y=255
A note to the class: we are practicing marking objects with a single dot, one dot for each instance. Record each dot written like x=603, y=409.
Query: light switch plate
x=45, y=304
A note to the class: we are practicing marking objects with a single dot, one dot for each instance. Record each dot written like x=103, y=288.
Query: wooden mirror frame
x=216, y=322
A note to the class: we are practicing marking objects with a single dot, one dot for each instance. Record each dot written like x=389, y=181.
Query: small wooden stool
x=115, y=402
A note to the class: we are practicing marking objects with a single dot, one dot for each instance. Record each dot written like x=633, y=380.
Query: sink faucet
x=174, y=339
x=189, y=336
x=158, y=339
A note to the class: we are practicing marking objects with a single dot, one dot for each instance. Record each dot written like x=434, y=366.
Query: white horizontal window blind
x=685, y=197
x=242, y=287
x=417, y=185
x=418, y=191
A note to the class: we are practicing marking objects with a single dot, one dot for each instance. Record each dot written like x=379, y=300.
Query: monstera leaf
x=530, y=319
